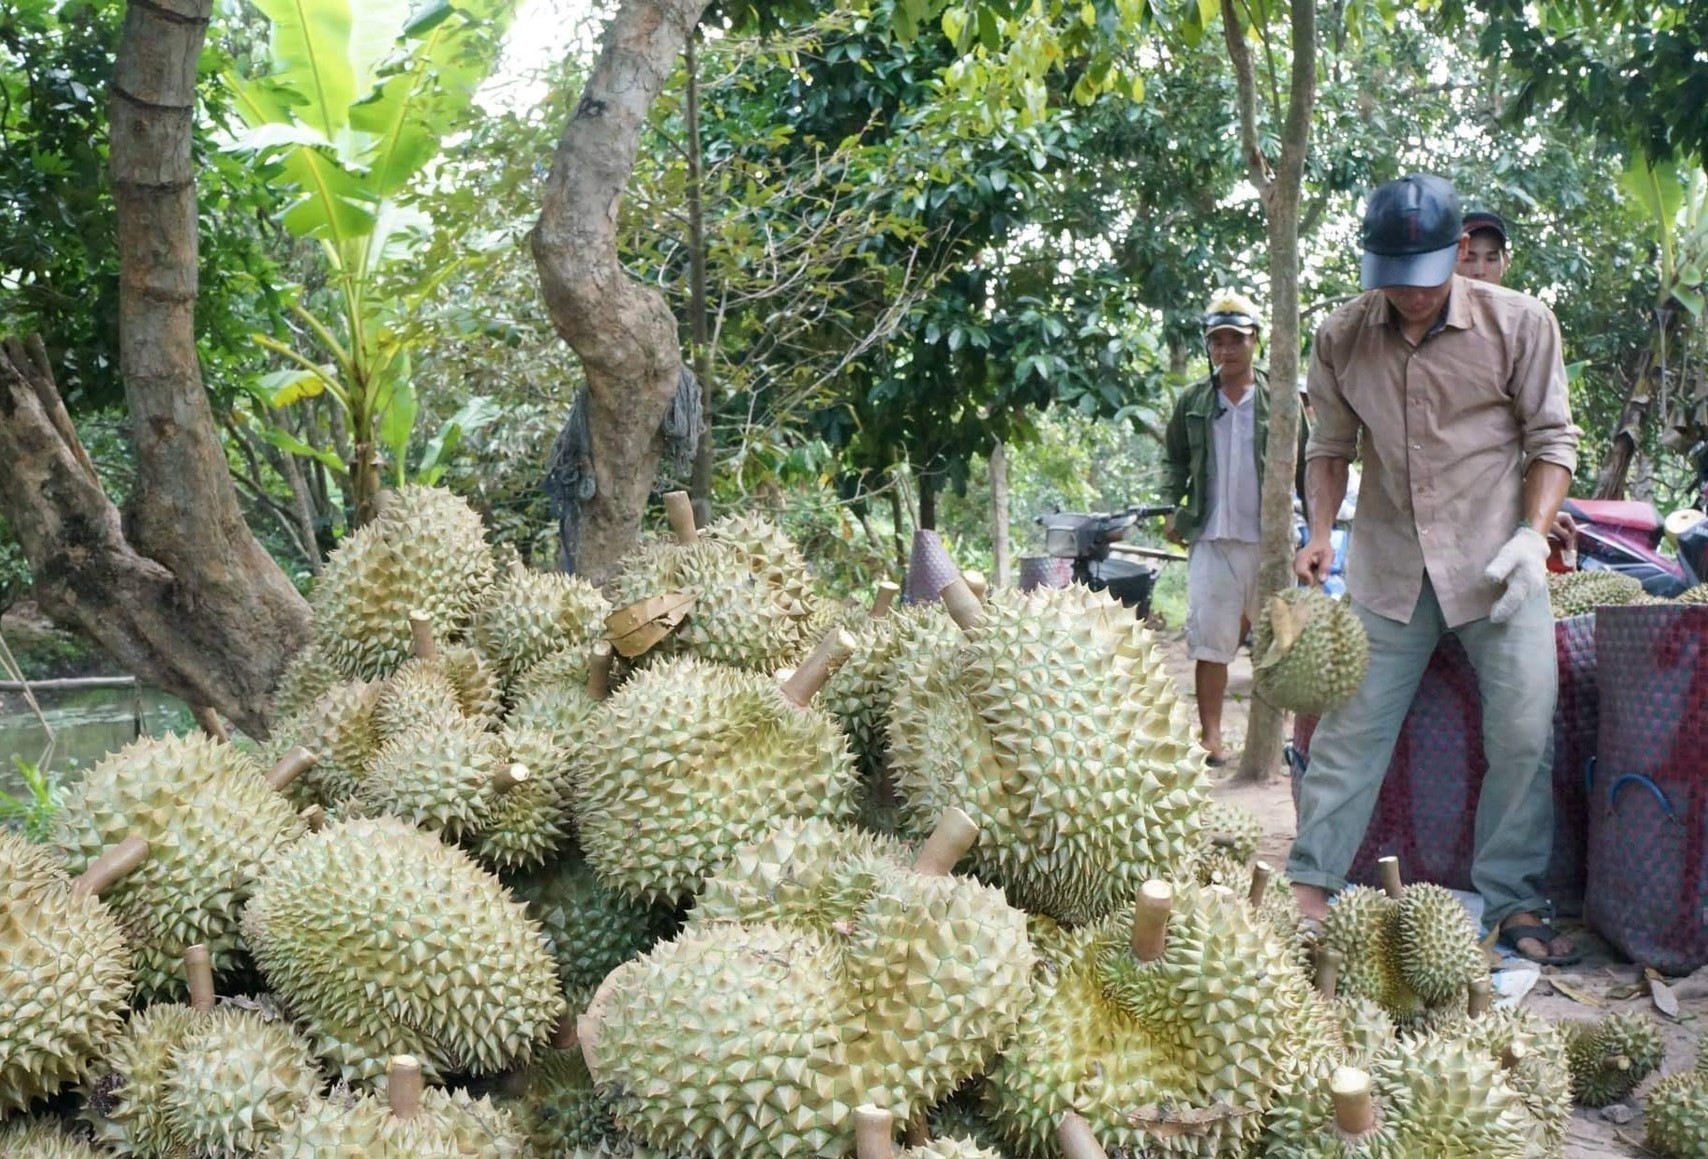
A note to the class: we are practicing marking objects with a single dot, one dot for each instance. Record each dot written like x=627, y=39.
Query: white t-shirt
x=1236, y=489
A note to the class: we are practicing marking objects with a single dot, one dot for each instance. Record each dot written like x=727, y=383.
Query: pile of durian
x=1578, y=593
x=717, y=868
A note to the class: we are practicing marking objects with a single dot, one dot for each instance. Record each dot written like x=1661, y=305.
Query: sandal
x=1510, y=936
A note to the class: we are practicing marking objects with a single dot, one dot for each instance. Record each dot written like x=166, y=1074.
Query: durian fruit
x=413, y=1123
x=438, y=682
x=425, y=550
x=530, y=821
x=214, y=821
x=234, y=1079
x=377, y=934
x=819, y=970
x=558, y=695
x=447, y=777
x=528, y=615
x=1695, y=595
x=688, y=760
x=1309, y=651
x=589, y=929
x=1533, y=1053
x=1437, y=944
x=874, y=1130
x=338, y=727
x=1675, y=1116
x=1169, y=1031
x=42, y=1139
x=307, y=676
x=559, y=1109
x=1057, y=728
x=1228, y=843
x=65, y=968
x=1610, y=1056
x=1577, y=593
x=750, y=595
x=126, y=1101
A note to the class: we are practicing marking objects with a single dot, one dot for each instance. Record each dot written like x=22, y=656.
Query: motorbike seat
x=1627, y=514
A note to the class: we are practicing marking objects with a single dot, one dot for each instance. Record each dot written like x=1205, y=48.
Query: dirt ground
x=1602, y=983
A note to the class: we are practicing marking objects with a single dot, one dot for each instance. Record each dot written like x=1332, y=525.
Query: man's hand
x=1314, y=561
x=1169, y=533
x=1522, y=565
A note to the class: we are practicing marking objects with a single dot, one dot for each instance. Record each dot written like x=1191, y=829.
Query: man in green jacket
x=1213, y=473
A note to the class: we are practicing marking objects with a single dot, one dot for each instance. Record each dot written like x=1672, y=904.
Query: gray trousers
x=1519, y=680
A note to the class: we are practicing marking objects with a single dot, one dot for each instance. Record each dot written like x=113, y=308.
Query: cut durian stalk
x=1392, y=883
x=112, y=865
x=509, y=777
x=803, y=684
x=977, y=585
x=1077, y=1141
x=1479, y=998
x=1150, y=920
x=404, y=1084
x=955, y=834
x=1354, y=1102
x=884, y=600
x=421, y=630
x=314, y=817
x=1260, y=875
x=1328, y=971
x=198, y=972
x=965, y=608
x=599, y=670
x=679, y=510
x=874, y=1132
x=292, y=765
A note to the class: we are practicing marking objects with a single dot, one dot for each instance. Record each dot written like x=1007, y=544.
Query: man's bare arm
x=1545, y=487
x=1325, y=490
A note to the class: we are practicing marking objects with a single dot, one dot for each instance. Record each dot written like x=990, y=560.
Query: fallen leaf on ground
x=1582, y=997
x=1664, y=999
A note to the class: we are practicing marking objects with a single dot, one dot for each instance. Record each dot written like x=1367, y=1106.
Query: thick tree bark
x=623, y=332
x=999, y=514
x=1281, y=195
x=699, y=309
x=1645, y=388
x=178, y=591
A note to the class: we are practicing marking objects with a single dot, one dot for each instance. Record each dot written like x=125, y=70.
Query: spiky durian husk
x=42, y=1139
x=307, y=676
x=1675, y=1116
x=1365, y=1029
x=941, y=956
x=1695, y=595
x=477, y=686
x=528, y=615
x=739, y=618
x=858, y=692
x=1609, y=1057
x=774, y=558
x=425, y=551
x=437, y=776
x=560, y=1109
x=447, y=1126
x=758, y=1038
x=1438, y=952
x=689, y=760
x=1363, y=927
x=1057, y=728
x=552, y=696
x=235, y=1077
x=464, y=967
x=1229, y=841
x=589, y=929
x=338, y=727
x=1541, y=1077
x=418, y=695
x=530, y=822
x=1577, y=593
x=65, y=976
x=1325, y=664
x=213, y=826
x=126, y=1095
x=950, y=1149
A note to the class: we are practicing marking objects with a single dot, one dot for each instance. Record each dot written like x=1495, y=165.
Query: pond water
x=87, y=725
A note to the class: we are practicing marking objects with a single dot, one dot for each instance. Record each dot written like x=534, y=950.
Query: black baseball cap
x=1411, y=232
x=1482, y=219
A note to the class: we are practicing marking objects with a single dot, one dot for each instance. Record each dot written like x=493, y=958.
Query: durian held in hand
x=1308, y=651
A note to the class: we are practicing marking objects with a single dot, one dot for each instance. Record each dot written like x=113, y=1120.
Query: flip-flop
x=1216, y=762
x=1510, y=936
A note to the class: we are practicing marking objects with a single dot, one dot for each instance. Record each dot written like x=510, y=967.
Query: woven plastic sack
x=929, y=569
x=1044, y=571
x=1648, y=795
x=1426, y=813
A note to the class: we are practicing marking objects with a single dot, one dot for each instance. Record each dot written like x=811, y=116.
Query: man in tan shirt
x=1452, y=393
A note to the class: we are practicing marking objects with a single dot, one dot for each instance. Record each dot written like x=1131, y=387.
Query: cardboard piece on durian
x=641, y=626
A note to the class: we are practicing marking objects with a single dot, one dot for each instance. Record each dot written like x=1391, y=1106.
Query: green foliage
x=33, y=811
x=15, y=580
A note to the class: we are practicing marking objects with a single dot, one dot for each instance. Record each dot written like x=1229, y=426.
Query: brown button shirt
x=1445, y=430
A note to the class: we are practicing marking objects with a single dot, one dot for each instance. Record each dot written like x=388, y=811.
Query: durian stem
x=976, y=584
x=874, y=1132
x=564, y=1037
x=599, y=670
x=292, y=765
x=1260, y=874
x=1354, y=1105
x=1077, y=1141
x=964, y=607
x=314, y=817
x=1619, y=1062
x=208, y=721
x=882, y=602
x=917, y=1131
x=803, y=684
x=1513, y=1054
x=198, y=972
x=955, y=834
x=509, y=777
x=1328, y=971
x=421, y=628
x=403, y=1086
x=112, y=865
x=1392, y=884
x=679, y=509
x=1150, y=920
x=1480, y=998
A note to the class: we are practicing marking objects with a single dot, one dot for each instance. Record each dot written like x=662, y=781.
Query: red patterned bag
x=1648, y=796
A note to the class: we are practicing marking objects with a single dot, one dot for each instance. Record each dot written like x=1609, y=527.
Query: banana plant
x=354, y=103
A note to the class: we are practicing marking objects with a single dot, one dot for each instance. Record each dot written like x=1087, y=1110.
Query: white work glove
x=1522, y=565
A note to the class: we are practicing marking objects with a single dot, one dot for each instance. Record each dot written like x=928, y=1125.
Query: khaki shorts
x=1221, y=584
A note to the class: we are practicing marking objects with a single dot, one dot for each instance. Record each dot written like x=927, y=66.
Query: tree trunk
x=1645, y=387
x=623, y=332
x=705, y=455
x=927, y=502
x=1281, y=196
x=898, y=533
x=178, y=591
x=999, y=514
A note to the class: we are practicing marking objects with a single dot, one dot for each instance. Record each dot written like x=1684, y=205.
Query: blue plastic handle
x=1613, y=791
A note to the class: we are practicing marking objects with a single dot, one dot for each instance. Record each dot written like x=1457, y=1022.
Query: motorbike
x=1091, y=541
x=1626, y=536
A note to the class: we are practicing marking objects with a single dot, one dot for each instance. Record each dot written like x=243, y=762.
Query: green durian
x=234, y=1078
x=213, y=823
x=558, y=696
x=1365, y=1029
x=1230, y=835
x=307, y=676
x=560, y=1109
x=438, y=1125
x=1309, y=651
x=1057, y=728
x=529, y=822
x=446, y=776
x=1362, y=927
x=1577, y=593
x=1675, y=1116
x=950, y=1149
x=858, y=693
x=426, y=551
x=1439, y=955
x=42, y=1139
x=1610, y=1056
x=528, y=615
x=65, y=975
x=378, y=932
x=126, y=1095
x=1533, y=1052
x=338, y=728
x=687, y=761
x=419, y=695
